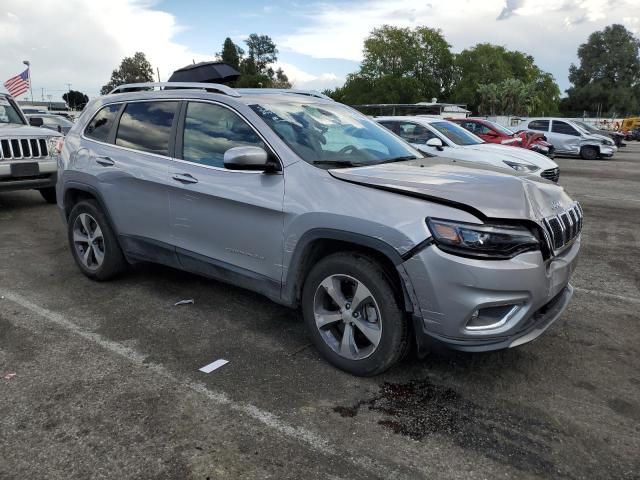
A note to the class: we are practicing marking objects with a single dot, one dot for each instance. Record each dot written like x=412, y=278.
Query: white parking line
x=272, y=421
x=607, y=295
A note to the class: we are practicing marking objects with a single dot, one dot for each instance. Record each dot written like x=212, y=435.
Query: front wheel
x=352, y=314
x=589, y=153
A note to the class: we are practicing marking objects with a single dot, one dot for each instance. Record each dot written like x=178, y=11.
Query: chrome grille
x=19, y=148
x=552, y=174
x=563, y=228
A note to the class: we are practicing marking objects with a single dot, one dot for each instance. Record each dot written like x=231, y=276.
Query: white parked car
x=569, y=138
x=437, y=137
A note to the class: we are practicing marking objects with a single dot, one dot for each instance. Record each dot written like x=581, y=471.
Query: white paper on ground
x=212, y=366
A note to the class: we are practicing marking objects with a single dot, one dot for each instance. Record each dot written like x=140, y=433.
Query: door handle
x=105, y=161
x=184, y=178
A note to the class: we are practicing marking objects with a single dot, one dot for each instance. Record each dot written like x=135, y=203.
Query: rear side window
x=540, y=125
x=211, y=130
x=146, y=126
x=564, y=128
x=100, y=126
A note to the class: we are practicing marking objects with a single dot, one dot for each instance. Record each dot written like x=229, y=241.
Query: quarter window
x=564, y=128
x=540, y=125
x=100, y=126
x=210, y=130
x=146, y=126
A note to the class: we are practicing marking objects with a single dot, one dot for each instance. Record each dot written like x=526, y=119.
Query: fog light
x=491, y=317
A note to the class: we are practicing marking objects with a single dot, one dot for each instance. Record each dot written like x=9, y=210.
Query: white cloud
x=81, y=42
x=307, y=81
x=550, y=30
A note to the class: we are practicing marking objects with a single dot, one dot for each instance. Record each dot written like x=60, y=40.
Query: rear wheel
x=93, y=244
x=589, y=153
x=353, y=317
x=49, y=194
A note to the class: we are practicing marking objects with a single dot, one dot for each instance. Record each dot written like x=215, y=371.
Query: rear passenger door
x=130, y=148
x=225, y=223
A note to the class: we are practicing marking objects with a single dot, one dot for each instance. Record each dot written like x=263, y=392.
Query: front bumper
x=607, y=151
x=449, y=289
x=45, y=175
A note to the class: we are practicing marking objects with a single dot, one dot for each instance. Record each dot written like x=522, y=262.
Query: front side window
x=412, y=132
x=210, y=130
x=146, y=126
x=331, y=135
x=100, y=126
x=539, y=125
x=456, y=133
x=563, y=128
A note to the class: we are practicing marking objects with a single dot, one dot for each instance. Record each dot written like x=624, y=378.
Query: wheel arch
x=75, y=192
x=318, y=243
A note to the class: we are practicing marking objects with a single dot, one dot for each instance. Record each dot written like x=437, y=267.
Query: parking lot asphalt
x=107, y=384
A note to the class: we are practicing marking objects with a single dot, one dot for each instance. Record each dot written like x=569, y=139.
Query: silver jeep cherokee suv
x=27, y=154
x=316, y=206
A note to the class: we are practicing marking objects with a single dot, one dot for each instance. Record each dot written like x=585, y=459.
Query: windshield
x=587, y=127
x=8, y=113
x=331, y=135
x=501, y=129
x=456, y=134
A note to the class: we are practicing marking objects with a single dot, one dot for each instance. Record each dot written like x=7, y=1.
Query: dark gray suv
x=314, y=205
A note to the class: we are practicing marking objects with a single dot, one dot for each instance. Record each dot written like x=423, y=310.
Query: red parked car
x=492, y=132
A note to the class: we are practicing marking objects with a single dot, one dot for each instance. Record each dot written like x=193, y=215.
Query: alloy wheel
x=88, y=241
x=347, y=316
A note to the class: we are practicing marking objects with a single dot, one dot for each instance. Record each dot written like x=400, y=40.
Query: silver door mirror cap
x=246, y=158
x=434, y=142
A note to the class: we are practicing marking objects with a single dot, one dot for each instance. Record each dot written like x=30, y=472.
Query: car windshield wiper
x=337, y=163
x=400, y=159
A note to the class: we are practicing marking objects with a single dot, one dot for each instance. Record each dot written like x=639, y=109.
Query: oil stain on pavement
x=533, y=443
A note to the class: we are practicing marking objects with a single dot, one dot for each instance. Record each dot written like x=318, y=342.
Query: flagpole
x=28, y=64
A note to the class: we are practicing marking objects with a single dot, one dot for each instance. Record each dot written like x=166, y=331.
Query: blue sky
x=319, y=42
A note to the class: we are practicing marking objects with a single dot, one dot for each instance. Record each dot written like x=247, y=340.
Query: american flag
x=19, y=84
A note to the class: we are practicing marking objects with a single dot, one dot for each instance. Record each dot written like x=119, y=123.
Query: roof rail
x=210, y=87
x=267, y=91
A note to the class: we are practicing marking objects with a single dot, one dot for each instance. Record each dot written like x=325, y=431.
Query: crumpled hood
x=15, y=130
x=516, y=154
x=484, y=191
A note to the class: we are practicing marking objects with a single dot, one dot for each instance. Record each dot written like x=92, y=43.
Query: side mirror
x=248, y=158
x=435, y=142
x=36, y=121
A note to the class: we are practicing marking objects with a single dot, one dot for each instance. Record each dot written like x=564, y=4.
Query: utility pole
x=42, y=94
x=158, y=69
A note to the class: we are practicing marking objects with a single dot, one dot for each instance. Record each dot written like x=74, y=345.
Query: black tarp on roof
x=207, y=72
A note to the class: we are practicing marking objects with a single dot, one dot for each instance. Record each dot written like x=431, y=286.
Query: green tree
x=75, y=100
x=400, y=65
x=134, y=69
x=607, y=78
x=486, y=64
x=256, y=68
x=230, y=53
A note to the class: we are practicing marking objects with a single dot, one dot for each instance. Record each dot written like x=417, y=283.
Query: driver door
x=225, y=223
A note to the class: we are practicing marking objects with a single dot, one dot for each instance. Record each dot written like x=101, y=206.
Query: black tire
x=113, y=262
x=589, y=153
x=49, y=194
x=394, y=340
